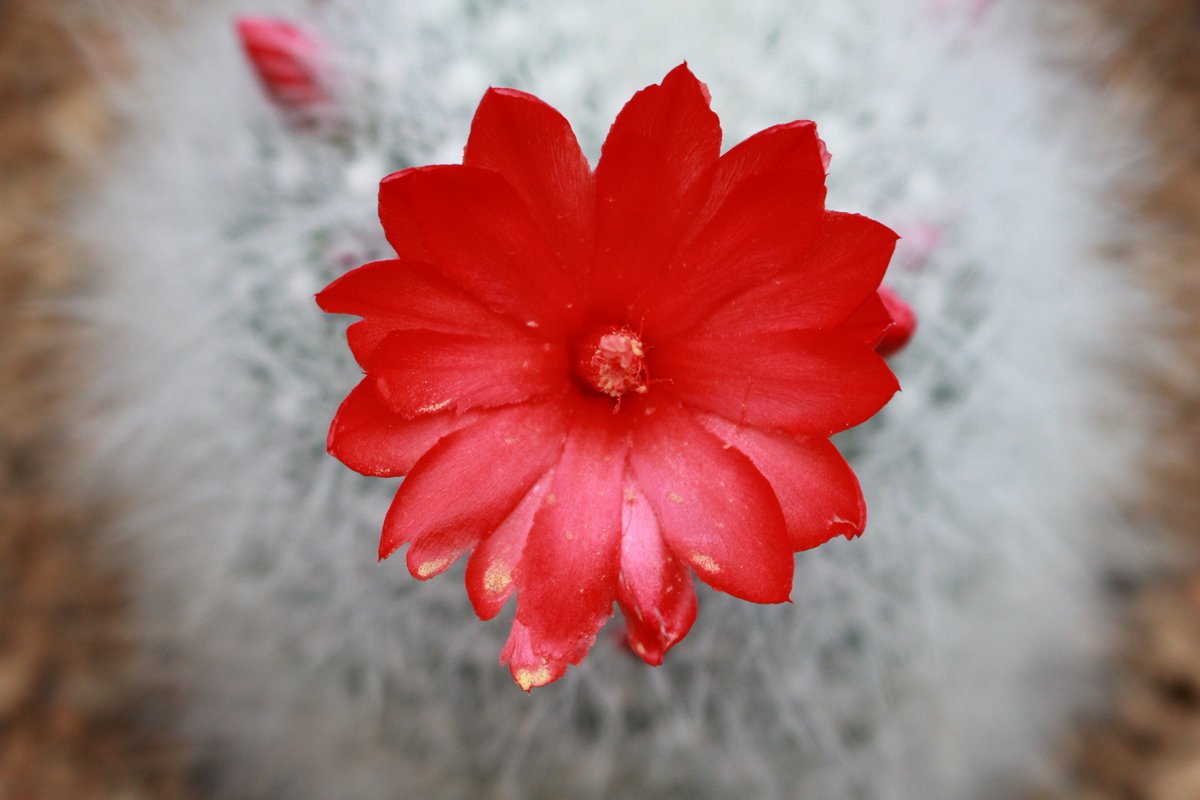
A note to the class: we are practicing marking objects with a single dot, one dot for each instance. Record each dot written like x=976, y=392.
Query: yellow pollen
x=498, y=577
x=674, y=498
x=705, y=563
x=430, y=567
x=529, y=678
x=432, y=407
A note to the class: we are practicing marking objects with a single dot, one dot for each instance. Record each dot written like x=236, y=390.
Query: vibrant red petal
x=366, y=335
x=490, y=569
x=475, y=227
x=790, y=146
x=655, y=592
x=567, y=579
x=842, y=269
x=817, y=490
x=766, y=226
x=413, y=294
x=469, y=482
x=904, y=321
x=654, y=174
x=368, y=437
x=534, y=148
x=811, y=382
x=402, y=225
x=529, y=669
x=405, y=295
x=869, y=322
x=716, y=511
x=424, y=372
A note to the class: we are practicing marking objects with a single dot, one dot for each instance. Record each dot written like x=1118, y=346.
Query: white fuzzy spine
x=936, y=652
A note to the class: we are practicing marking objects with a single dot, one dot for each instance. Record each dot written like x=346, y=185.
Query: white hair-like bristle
x=934, y=658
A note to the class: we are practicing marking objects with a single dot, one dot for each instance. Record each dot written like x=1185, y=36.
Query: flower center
x=611, y=360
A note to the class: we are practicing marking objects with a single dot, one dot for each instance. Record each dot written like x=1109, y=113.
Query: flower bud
x=290, y=64
x=904, y=323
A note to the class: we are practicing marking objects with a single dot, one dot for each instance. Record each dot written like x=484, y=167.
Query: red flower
x=598, y=382
x=289, y=62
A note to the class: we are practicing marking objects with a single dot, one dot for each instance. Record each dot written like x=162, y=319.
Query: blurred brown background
x=67, y=711
x=73, y=723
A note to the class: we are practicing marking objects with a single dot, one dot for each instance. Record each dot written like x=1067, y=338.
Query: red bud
x=289, y=62
x=904, y=323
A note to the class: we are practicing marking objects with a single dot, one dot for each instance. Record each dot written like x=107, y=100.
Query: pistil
x=611, y=360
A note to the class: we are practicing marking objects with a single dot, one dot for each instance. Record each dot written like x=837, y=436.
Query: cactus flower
x=599, y=383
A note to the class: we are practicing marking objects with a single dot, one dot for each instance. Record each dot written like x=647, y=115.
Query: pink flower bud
x=290, y=64
x=904, y=323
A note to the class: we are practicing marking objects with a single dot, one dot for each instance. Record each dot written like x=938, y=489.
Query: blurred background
x=74, y=720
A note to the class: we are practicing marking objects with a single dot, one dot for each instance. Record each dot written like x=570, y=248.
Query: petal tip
x=684, y=73
x=529, y=679
x=528, y=669
x=428, y=568
x=652, y=657
x=388, y=545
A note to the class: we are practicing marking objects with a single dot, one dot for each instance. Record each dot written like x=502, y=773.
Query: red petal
x=469, y=482
x=401, y=224
x=423, y=372
x=716, y=511
x=412, y=294
x=655, y=593
x=534, y=148
x=816, y=488
x=490, y=569
x=842, y=269
x=368, y=437
x=869, y=322
x=567, y=579
x=529, y=669
x=790, y=146
x=654, y=174
x=405, y=295
x=810, y=382
x=366, y=335
x=766, y=226
x=475, y=227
